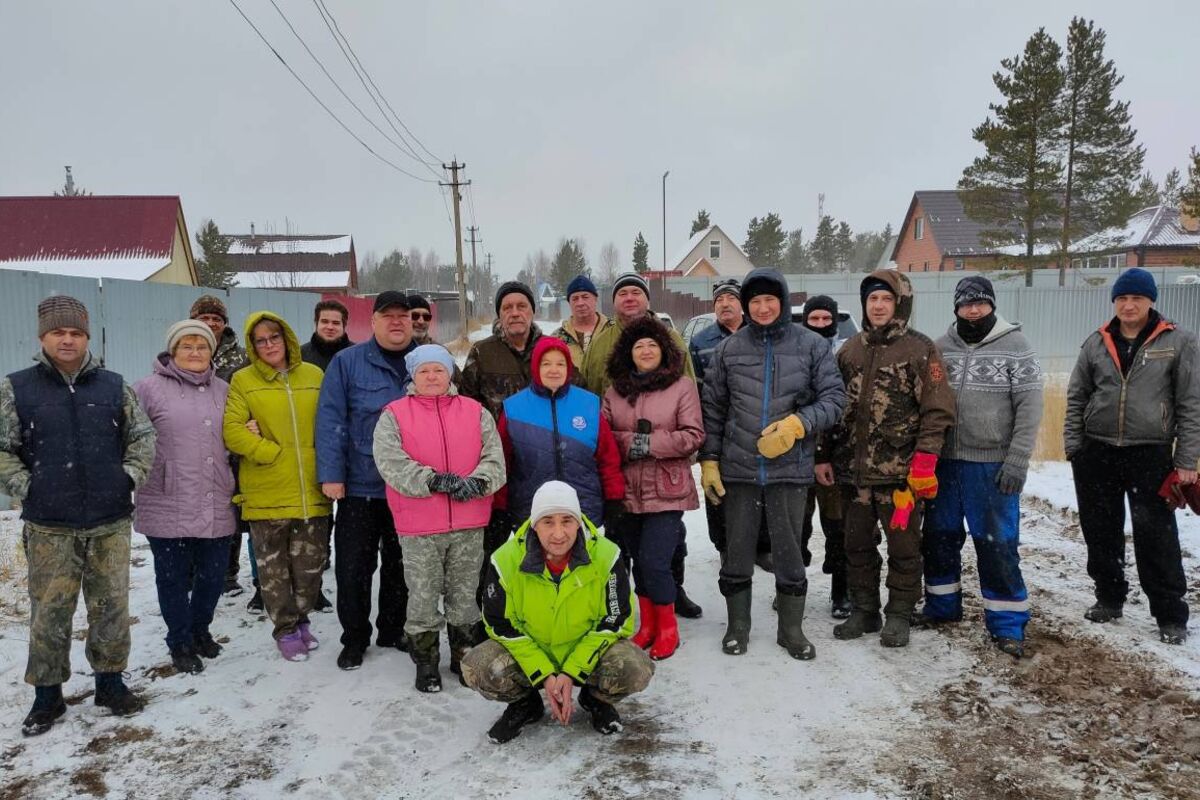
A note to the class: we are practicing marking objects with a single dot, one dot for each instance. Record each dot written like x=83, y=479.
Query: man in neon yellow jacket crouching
x=559, y=609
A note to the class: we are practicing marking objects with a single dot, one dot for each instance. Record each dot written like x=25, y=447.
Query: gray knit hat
x=189, y=327
x=61, y=311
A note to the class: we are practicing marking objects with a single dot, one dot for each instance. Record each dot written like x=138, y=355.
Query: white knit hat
x=555, y=497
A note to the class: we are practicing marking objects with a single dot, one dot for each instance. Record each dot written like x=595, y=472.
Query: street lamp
x=664, y=231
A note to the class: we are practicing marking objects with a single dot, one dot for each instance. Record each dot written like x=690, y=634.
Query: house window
x=960, y=264
x=1076, y=263
x=714, y=248
x=926, y=267
x=919, y=228
x=1120, y=261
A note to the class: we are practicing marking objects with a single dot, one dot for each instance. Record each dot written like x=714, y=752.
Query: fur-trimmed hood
x=625, y=378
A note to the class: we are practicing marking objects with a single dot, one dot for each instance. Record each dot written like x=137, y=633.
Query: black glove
x=640, y=446
x=614, y=512
x=443, y=482
x=1011, y=478
x=469, y=489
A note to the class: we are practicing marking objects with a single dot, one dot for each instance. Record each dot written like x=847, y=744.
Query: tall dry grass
x=1049, y=446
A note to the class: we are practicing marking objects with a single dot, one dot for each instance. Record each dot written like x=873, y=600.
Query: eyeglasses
x=266, y=341
x=420, y=316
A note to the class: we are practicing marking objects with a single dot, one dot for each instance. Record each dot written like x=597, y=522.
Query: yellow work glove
x=902, y=508
x=710, y=479
x=778, y=437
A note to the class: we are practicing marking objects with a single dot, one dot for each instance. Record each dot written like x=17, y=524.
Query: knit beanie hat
x=1135, y=281
x=508, y=287
x=630, y=279
x=974, y=289
x=61, y=311
x=189, y=327
x=871, y=284
x=581, y=283
x=544, y=345
x=207, y=304
x=727, y=286
x=427, y=353
x=555, y=497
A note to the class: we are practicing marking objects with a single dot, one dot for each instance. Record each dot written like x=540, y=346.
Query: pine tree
x=700, y=223
x=843, y=244
x=641, y=254
x=567, y=265
x=1102, y=159
x=1172, y=184
x=214, y=269
x=1189, y=195
x=823, y=249
x=69, y=189
x=1146, y=194
x=765, y=241
x=393, y=272
x=1019, y=177
x=796, y=257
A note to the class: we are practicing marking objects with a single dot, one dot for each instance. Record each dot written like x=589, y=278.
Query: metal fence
x=128, y=319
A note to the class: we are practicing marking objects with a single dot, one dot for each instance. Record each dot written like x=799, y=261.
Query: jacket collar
x=1159, y=324
x=1001, y=328
x=374, y=354
x=330, y=348
x=534, y=562
x=164, y=365
x=90, y=364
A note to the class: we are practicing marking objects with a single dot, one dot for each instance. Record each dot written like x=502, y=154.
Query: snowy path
x=948, y=717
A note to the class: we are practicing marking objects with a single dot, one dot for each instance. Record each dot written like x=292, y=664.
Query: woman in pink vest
x=441, y=458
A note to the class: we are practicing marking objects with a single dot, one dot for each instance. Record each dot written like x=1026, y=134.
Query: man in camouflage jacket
x=899, y=406
x=74, y=444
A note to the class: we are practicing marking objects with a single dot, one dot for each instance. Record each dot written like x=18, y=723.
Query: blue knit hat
x=581, y=283
x=427, y=353
x=1135, y=281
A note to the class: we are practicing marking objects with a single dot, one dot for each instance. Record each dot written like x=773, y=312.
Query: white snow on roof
x=697, y=238
x=332, y=246
x=131, y=269
x=1157, y=226
x=292, y=280
x=1042, y=249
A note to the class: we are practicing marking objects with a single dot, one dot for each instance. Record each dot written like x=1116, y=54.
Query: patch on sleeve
x=937, y=373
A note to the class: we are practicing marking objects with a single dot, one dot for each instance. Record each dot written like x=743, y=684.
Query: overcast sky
x=566, y=114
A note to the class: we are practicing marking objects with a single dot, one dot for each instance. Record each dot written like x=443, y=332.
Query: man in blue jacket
x=360, y=381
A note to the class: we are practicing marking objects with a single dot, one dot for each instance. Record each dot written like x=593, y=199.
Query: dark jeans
x=365, y=537
x=189, y=574
x=1105, y=476
x=652, y=540
x=716, y=528
x=746, y=506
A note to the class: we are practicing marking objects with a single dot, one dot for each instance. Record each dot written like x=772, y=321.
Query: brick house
x=1158, y=236
x=938, y=236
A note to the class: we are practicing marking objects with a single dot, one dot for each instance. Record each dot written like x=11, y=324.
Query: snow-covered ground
x=1094, y=712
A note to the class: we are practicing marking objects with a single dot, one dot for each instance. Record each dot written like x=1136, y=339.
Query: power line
x=408, y=149
x=404, y=149
x=372, y=81
x=321, y=103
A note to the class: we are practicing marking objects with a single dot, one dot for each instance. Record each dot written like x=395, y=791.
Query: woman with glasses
x=270, y=421
x=184, y=508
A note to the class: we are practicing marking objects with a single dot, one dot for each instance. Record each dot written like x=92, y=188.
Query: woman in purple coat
x=185, y=507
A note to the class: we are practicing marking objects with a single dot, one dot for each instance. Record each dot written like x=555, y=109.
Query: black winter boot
x=113, y=694
x=605, y=718
x=323, y=605
x=864, y=616
x=684, y=607
x=839, y=598
x=737, y=633
x=791, y=629
x=256, y=602
x=898, y=620
x=207, y=646
x=1102, y=612
x=462, y=639
x=1172, y=634
x=185, y=659
x=519, y=714
x=48, y=706
x=425, y=651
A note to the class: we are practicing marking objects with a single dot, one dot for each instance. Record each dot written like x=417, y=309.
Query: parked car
x=697, y=324
x=665, y=319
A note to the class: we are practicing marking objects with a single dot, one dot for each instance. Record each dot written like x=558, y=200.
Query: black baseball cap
x=390, y=298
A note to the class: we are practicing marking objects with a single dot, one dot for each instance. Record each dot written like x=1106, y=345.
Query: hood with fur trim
x=626, y=379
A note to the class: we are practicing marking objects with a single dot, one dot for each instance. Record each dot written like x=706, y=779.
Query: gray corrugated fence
x=129, y=319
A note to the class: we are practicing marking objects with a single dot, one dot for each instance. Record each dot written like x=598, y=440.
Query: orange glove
x=922, y=478
x=902, y=500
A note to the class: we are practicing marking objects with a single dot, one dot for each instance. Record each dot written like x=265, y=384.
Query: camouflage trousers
x=290, y=554
x=490, y=669
x=442, y=565
x=867, y=509
x=61, y=562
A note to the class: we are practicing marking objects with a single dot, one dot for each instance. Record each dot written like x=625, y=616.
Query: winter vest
x=554, y=437
x=72, y=441
x=443, y=433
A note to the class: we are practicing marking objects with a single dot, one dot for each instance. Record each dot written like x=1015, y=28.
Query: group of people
x=530, y=501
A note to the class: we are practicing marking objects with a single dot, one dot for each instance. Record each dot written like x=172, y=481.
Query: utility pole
x=664, y=241
x=474, y=229
x=454, y=183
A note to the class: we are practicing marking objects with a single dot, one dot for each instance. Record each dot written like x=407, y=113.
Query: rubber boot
x=864, y=616
x=666, y=639
x=791, y=627
x=897, y=624
x=839, y=598
x=737, y=634
x=647, y=623
x=684, y=607
x=426, y=654
x=462, y=639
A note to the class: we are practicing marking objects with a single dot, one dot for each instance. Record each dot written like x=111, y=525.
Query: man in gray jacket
x=1132, y=424
x=769, y=390
x=997, y=383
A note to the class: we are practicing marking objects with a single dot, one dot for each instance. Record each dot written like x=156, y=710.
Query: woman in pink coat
x=185, y=507
x=654, y=412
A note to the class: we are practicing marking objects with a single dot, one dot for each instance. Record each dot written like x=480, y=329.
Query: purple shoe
x=292, y=646
x=310, y=641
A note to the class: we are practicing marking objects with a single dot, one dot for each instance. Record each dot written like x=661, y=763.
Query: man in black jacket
x=329, y=335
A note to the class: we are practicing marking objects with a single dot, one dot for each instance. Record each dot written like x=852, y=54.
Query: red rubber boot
x=647, y=623
x=667, y=641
